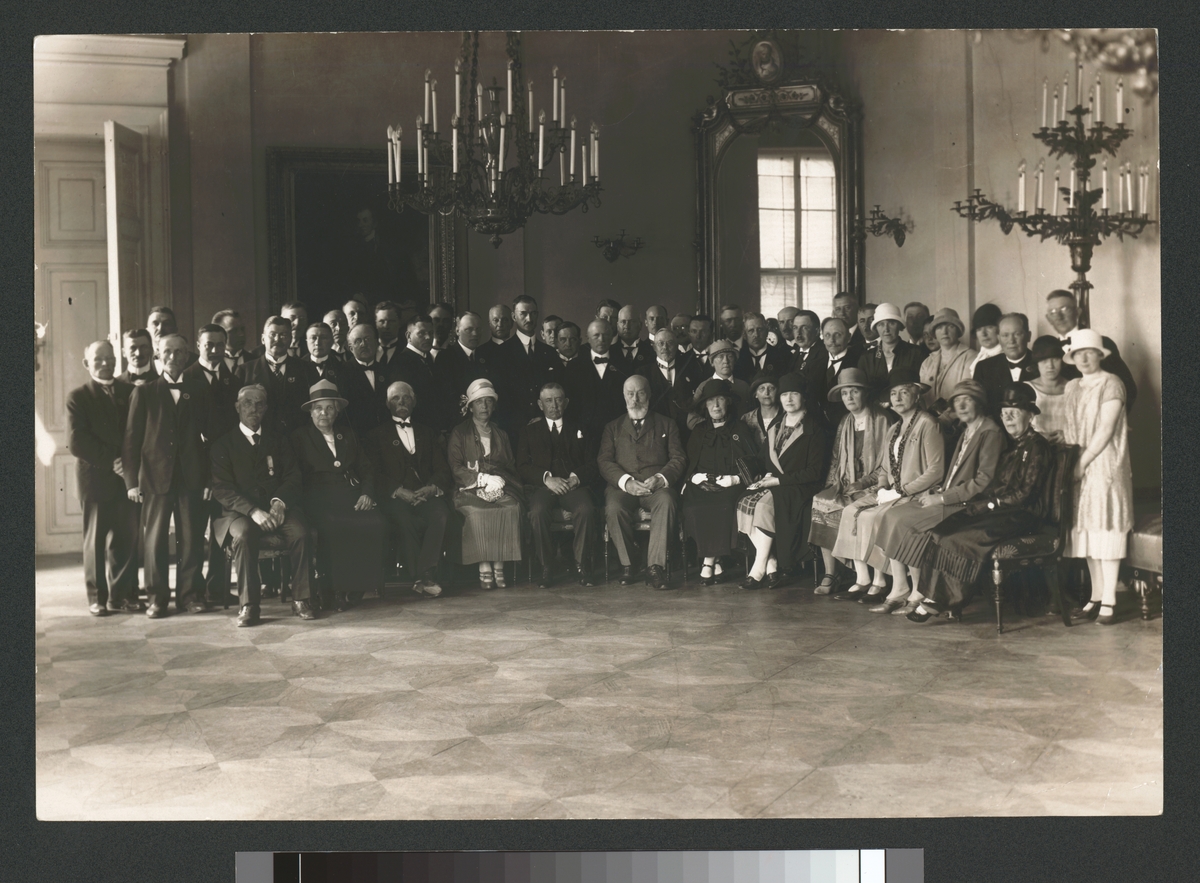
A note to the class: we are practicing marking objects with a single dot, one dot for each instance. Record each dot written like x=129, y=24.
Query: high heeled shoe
x=1089, y=611
x=498, y=576
x=707, y=580
x=852, y=593
x=487, y=580
x=873, y=595
x=917, y=616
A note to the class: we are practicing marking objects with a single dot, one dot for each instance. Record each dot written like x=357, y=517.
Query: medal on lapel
x=270, y=465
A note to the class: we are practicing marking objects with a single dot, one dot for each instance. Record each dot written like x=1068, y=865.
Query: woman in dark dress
x=778, y=517
x=1010, y=507
x=764, y=389
x=339, y=499
x=711, y=493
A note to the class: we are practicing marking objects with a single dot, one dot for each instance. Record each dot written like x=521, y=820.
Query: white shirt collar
x=248, y=432
x=739, y=341
x=686, y=349
x=525, y=339
x=320, y=361
x=1069, y=333
x=662, y=364
x=596, y=355
x=271, y=361
x=138, y=372
x=213, y=368
x=415, y=350
x=466, y=349
x=552, y=423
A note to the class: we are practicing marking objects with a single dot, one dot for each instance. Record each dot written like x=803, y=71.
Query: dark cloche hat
x=1020, y=395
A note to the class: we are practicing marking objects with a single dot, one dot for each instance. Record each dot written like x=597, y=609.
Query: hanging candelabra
x=1082, y=226
x=495, y=170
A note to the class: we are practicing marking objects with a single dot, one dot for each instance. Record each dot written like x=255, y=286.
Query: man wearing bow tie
x=166, y=467
x=1013, y=365
x=568, y=342
x=631, y=352
x=733, y=325
x=364, y=381
x=757, y=356
x=415, y=366
x=387, y=328
x=318, y=339
x=285, y=378
x=415, y=482
x=96, y=416
x=256, y=482
x=223, y=387
x=553, y=461
x=161, y=322
x=1062, y=312
x=700, y=332
x=679, y=329
x=297, y=314
x=336, y=320
x=526, y=363
x=236, y=354
x=442, y=317
x=594, y=383
x=822, y=369
x=673, y=380
x=139, y=358
x=642, y=460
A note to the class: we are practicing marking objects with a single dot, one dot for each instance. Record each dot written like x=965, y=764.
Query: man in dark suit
x=363, y=382
x=1013, y=365
x=631, y=353
x=822, y=369
x=806, y=345
x=526, y=362
x=757, y=355
x=642, y=460
x=336, y=320
x=160, y=322
x=500, y=324
x=553, y=461
x=285, y=379
x=700, y=333
x=415, y=366
x=1062, y=312
x=236, y=354
x=845, y=307
x=387, y=329
x=166, y=466
x=594, y=383
x=139, y=358
x=296, y=313
x=568, y=341
x=223, y=387
x=256, y=481
x=459, y=364
x=96, y=416
x=319, y=355
x=415, y=483
x=673, y=380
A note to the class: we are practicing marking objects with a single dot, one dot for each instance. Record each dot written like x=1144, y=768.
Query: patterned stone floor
x=591, y=703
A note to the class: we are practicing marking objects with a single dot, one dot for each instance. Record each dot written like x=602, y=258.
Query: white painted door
x=127, y=212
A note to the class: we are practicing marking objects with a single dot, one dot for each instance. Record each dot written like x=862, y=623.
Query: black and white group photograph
x=693, y=424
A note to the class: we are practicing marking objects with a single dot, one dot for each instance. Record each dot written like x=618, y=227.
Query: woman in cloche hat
x=339, y=490
x=890, y=351
x=914, y=462
x=1050, y=386
x=1095, y=420
x=951, y=363
x=858, y=450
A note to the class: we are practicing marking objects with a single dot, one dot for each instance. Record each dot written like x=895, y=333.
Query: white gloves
x=722, y=480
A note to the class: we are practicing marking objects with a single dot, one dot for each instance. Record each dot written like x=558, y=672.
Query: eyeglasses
x=1061, y=312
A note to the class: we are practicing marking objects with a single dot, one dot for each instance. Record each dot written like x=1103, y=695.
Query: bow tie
x=601, y=360
x=178, y=385
x=370, y=367
x=403, y=424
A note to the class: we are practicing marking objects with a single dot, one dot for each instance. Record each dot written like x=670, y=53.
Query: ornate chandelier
x=495, y=170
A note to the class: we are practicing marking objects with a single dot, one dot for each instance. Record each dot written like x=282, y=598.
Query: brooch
x=735, y=437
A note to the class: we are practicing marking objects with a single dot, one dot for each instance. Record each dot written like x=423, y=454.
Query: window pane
x=818, y=294
x=777, y=292
x=776, y=239
x=817, y=192
x=776, y=191
x=776, y=165
x=817, y=244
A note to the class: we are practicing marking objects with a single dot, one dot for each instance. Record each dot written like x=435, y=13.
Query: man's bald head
x=637, y=396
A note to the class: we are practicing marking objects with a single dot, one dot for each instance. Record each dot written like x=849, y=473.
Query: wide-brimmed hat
x=848, y=377
x=886, y=311
x=479, y=389
x=711, y=389
x=972, y=388
x=947, y=316
x=988, y=314
x=1019, y=395
x=763, y=377
x=793, y=382
x=721, y=346
x=905, y=376
x=323, y=391
x=1084, y=339
x=1046, y=347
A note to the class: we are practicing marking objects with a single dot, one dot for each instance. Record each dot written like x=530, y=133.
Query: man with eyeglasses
x=1062, y=312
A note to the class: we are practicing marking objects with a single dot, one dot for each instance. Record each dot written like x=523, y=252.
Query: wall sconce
x=39, y=342
x=879, y=224
x=616, y=248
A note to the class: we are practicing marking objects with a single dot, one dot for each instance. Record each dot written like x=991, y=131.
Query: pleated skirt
x=492, y=531
x=827, y=508
x=903, y=531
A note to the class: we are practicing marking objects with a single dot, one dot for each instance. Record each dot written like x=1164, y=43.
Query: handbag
x=747, y=475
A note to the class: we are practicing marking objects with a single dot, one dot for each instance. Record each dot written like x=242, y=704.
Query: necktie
x=554, y=430
x=277, y=369
x=601, y=360
x=529, y=349
x=211, y=375
x=254, y=439
x=758, y=360
x=108, y=391
x=637, y=426
x=629, y=353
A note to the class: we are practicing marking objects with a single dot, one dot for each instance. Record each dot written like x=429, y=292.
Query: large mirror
x=777, y=193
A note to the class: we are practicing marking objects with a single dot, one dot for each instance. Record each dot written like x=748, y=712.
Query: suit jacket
x=674, y=401
x=822, y=377
x=595, y=401
x=800, y=362
x=330, y=369
x=318, y=465
x=395, y=467
x=1113, y=364
x=643, y=354
x=222, y=395
x=285, y=394
x=656, y=450
x=538, y=452
x=777, y=360
x=994, y=375
x=246, y=355
x=159, y=433
x=419, y=374
x=246, y=477
x=95, y=435
x=519, y=379
x=874, y=364
x=150, y=376
x=977, y=465
x=923, y=460
x=367, y=406
x=389, y=355
x=800, y=463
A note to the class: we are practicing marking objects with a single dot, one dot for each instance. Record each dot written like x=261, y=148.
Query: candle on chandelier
x=1064, y=97
x=541, y=138
x=595, y=131
x=510, y=91
x=1129, y=188
x=1056, y=105
x=1021, y=188
x=1104, y=186
x=562, y=101
x=479, y=102
x=1041, y=173
x=529, y=107
x=562, y=170
x=1056, y=185
x=391, y=156
x=1120, y=188
x=503, y=129
x=454, y=143
x=572, y=170
x=1144, y=187
x=433, y=92
x=584, y=150
x=1079, y=79
x=458, y=86
x=1071, y=195
x=420, y=151
x=1045, y=92
x=554, y=104
x=428, y=74
x=1099, y=101
x=425, y=160
x=1120, y=101
x=596, y=157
